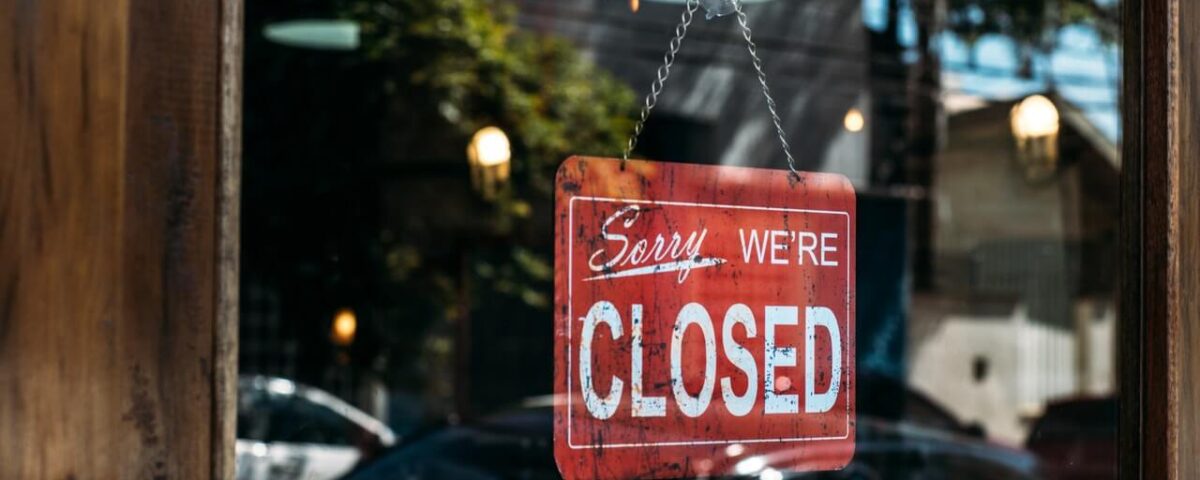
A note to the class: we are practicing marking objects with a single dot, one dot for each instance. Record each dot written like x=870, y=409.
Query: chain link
x=766, y=90
x=664, y=72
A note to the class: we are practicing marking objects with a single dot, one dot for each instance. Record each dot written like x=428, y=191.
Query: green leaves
x=476, y=69
x=450, y=67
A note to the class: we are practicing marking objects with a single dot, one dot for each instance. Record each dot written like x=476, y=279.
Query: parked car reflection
x=1077, y=439
x=290, y=431
x=901, y=434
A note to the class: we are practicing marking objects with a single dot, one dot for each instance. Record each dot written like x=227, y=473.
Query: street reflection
x=901, y=434
x=398, y=216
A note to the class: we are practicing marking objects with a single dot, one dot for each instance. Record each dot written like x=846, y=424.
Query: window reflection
x=981, y=136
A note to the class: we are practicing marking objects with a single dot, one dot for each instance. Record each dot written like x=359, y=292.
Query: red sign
x=704, y=320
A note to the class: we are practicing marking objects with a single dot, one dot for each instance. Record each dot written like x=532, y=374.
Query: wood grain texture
x=1187, y=204
x=1130, y=351
x=225, y=333
x=1160, y=401
x=108, y=239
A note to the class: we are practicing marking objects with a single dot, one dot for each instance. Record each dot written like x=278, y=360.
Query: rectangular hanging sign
x=704, y=320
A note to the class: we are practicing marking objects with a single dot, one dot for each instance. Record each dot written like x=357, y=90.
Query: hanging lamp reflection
x=854, y=120
x=1035, y=126
x=490, y=156
x=345, y=327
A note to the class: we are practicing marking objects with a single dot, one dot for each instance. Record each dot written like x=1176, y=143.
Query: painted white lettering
x=613, y=237
x=807, y=247
x=740, y=357
x=821, y=317
x=778, y=244
x=693, y=313
x=601, y=408
x=778, y=357
x=638, y=253
x=692, y=246
x=659, y=252
x=679, y=255
x=642, y=406
x=771, y=247
x=676, y=246
x=754, y=245
x=827, y=248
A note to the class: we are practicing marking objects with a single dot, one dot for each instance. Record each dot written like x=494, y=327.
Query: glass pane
x=398, y=218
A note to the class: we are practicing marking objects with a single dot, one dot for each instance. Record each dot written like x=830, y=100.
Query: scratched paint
x=705, y=320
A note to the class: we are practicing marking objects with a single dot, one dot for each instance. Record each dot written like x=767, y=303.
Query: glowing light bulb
x=1035, y=116
x=490, y=147
x=345, y=326
x=854, y=121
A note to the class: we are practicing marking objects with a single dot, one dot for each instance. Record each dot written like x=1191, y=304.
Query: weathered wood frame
x=119, y=180
x=1160, y=286
x=198, y=44
x=229, y=187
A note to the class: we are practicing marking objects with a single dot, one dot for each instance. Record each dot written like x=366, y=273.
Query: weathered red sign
x=704, y=320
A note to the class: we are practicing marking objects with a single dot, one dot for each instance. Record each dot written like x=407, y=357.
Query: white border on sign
x=570, y=326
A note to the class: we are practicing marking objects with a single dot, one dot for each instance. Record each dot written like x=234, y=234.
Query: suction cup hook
x=718, y=8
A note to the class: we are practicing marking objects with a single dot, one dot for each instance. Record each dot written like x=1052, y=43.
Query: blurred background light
x=854, y=121
x=314, y=34
x=490, y=156
x=345, y=326
x=1035, y=116
x=750, y=466
x=735, y=449
x=490, y=147
x=1035, y=124
x=771, y=474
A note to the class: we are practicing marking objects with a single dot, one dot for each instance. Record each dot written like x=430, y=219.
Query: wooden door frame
x=229, y=188
x=120, y=163
x=1159, y=348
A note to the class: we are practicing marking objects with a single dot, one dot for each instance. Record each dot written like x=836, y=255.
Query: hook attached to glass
x=718, y=8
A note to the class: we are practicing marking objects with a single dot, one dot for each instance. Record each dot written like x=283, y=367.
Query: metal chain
x=664, y=72
x=766, y=90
